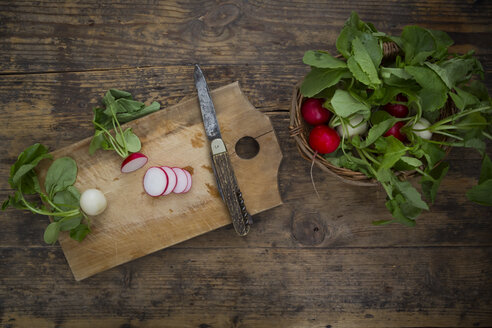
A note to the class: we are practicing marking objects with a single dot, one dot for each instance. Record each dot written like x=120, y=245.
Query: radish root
x=311, y=173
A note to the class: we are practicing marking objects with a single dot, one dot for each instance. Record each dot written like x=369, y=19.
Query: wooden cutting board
x=135, y=224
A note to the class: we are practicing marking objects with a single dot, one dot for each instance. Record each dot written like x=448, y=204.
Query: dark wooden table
x=308, y=263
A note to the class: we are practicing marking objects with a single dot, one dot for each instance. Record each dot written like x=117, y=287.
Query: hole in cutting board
x=247, y=147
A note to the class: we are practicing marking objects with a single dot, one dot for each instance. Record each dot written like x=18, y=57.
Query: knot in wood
x=308, y=229
x=221, y=15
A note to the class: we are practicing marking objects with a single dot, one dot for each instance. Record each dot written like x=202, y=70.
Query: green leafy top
x=359, y=80
x=61, y=197
x=119, y=108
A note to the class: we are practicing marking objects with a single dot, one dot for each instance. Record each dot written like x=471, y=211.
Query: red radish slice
x=188, y=187
x=171, y=178
x=133, y=162
x=181, y=181
x=155, y=181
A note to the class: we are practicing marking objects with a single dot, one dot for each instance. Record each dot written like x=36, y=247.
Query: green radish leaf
x=393, y=205
x=97, y=142
x=30, y=155
x=61, y=174
x=433, y=94
x=478, y=89
x=357, y=72
x=407, y=163
x=127, y=117
x=319, y=79
x=70, y=222
x=463, y=99
x=124, y=105
x=108, y=98
x=410, y=194
x=117, y=94
x=394, y=150
x=442, y=73
x=418, y=44
x=345, y=105
x=486, y=170
x=410, y=211
x=51, y=233
x=132, y=141
x=433, y=153
x=443, y=42
x=80, y=232
x=482, y=193
x=322, y=59
x=365, y=62
x=21, y=172
x=430, y=184
x=378, y=130
x=326, y=93
x=67, y=199
x=382, y=222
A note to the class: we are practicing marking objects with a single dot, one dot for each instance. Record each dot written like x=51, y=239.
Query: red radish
x=314, y=113
x=401, y=97
x=395, y=132
x=172, y=179
x=181, y=181
x=133, y=162
x=188, y=175
x=155, y=181
x=323, y=139
x=397, y=110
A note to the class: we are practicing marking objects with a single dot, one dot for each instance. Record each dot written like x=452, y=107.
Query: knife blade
x=221, y=163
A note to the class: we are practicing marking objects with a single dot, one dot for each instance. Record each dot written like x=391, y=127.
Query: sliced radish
x=188, y=187
x=181, y=181
x=155, y=181
x=133, y=162
x=171, y=178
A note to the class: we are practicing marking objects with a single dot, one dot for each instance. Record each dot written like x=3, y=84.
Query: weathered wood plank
x=55, y=109
x=74, y=36
x=380, y=287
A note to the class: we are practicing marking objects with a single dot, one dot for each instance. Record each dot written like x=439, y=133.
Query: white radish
x=133, y=162
x=155, y=181
x=93, y=202
x=421, y=125
x=172, y=179
x=354, y=127
x=188, y=187
x=181, y=181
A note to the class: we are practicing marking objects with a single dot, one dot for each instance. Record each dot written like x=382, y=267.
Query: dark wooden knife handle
x=226, y=181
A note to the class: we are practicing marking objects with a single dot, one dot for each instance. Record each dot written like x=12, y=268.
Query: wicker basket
x=300, y=130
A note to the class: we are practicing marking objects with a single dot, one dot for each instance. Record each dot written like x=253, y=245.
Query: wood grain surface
x=308, y=263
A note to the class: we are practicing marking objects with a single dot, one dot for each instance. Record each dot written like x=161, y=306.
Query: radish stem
x=311, y=173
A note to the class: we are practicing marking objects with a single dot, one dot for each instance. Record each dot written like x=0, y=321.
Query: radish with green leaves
x=120, y=108
x=421, y=129
x=355, y=126
x=395, y=131
x=314, y=113
x=393, y=93
x=62, y=200
x=397, y=110
x=323, y=139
